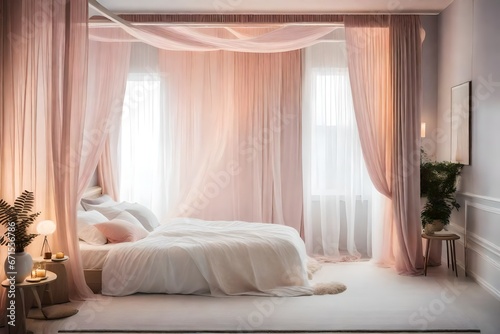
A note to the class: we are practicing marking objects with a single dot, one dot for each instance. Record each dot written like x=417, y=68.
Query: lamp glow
x=45, y=228
x=422, y=130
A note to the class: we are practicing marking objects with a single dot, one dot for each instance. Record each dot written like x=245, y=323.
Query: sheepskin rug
x=312, y=267
x=330, y=288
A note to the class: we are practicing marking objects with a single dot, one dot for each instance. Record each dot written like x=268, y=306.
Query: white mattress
x=93, y=256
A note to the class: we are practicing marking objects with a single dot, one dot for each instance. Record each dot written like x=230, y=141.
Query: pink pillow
x=118, y=230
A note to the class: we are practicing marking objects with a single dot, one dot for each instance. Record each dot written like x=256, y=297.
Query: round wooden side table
x=450, y=249
x=16, y=290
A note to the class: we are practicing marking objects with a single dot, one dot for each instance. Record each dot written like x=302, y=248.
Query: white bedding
x=93, y=256
x=191, y=256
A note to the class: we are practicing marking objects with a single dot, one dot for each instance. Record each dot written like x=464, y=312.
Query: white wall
x=469, y=49
x=430, y=83
x=430, y=104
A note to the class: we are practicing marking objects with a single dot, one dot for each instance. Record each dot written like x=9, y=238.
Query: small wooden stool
x=450, y=248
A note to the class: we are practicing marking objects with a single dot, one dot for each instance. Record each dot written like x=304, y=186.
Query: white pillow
x=128, y=217
x=90, y=217
x=87, y=231
x=144, y=215
x=90, y=234
x=98, y=200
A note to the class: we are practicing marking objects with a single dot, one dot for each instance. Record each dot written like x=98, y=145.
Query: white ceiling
x=276, y=6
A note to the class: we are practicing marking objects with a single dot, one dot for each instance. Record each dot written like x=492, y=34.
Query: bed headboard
x=90, y=192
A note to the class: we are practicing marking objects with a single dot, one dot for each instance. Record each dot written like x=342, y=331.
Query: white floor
x=376, y=300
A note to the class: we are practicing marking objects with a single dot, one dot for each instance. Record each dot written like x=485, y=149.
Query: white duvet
x=191, y=256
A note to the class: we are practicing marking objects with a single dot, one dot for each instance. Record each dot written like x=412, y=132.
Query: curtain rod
x=225, y=18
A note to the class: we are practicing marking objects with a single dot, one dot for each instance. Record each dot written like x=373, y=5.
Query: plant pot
x=435, y=226
x=19, y=264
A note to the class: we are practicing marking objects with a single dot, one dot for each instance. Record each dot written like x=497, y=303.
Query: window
x=140, y=136
x=335, y=150
x=337, y=188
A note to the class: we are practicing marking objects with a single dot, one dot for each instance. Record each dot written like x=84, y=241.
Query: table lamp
x=45, y=228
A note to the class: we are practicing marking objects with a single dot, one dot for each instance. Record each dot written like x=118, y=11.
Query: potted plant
x=438, y=184
x=17, y=219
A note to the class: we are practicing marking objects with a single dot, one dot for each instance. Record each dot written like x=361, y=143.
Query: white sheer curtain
x=337, y=188
x=144, y=148
x=141, y=146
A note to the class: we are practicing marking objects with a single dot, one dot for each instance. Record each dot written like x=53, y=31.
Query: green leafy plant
x=17, y=219
x=438, y=181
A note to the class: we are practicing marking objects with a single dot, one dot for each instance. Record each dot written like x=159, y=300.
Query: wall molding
x=476, y=277
x=491, y=247
x=486, y=198
x=481, y=281
x=487, y=208
x=484, y=284
x=476, y=246
x=480, y=252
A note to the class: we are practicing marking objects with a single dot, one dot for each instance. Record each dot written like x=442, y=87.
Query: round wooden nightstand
x=450, y=248
x=59, y=295
x=15, y=299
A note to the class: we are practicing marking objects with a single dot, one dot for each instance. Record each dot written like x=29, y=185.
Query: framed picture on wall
x=460, y=123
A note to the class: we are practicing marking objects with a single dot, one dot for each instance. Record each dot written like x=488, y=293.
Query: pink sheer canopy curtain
x=384, y=65
x=262, y=188
x=69, y=46
x=44, y=63
x=219, y=142
x=105, y=95
x=237, y=149
x=185, y=38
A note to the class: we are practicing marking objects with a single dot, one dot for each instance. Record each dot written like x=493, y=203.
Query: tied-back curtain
x=44, y=64
x=231, y=136
x=406, y=36
x=384, y=67
x=107, y=77
x=337, y=188
x=367, y=41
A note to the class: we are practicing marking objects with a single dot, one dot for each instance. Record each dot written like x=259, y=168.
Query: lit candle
x=40, y=273
x=33, y=274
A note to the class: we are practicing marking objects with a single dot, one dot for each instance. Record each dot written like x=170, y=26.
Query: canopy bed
x=285, y=193
x=186, y=255
x=53, y=136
